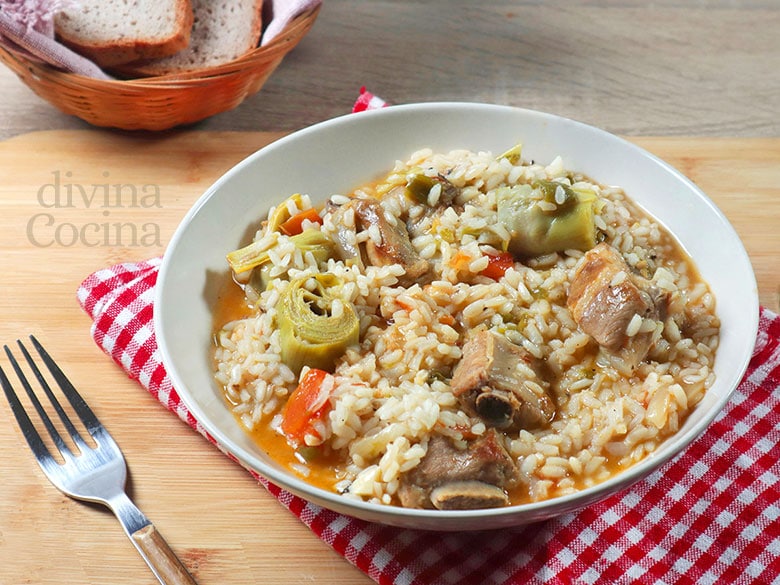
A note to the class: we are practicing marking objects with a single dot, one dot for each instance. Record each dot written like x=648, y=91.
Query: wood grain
x=224, y=526
x=667, y=67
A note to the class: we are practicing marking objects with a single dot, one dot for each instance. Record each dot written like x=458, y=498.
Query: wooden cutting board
x=72, y=202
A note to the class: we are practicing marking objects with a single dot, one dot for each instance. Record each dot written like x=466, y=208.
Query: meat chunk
x=495, y=380
x=395, y=246
x=604, y=297
x=452, y=478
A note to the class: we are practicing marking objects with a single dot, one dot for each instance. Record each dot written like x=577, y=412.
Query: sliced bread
x=222, y=30
x=111, y=32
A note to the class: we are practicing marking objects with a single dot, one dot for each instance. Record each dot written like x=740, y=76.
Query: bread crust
x=108, y=53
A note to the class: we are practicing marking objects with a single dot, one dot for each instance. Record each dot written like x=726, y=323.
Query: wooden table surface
x=704, y=73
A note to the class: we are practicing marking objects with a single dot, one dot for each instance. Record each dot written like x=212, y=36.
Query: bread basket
x=159, y=103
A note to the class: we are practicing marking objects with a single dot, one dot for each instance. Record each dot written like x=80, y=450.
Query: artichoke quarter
x=316, y=326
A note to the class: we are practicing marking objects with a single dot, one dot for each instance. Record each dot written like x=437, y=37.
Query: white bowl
x=337, y=155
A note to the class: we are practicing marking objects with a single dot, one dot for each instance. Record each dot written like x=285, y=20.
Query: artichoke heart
x=250, y=256
x=282, y=211
x=316, y=327
x=256, y=254
x=311, y=240
x=547, y=217
x=514, y=154
x=418, y=186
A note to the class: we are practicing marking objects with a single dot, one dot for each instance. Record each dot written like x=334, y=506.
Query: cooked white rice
x=390, y=394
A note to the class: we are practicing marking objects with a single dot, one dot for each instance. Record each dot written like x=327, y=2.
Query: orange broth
x=232, y=305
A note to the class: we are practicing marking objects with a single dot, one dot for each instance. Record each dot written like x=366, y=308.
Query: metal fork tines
x=93, y=472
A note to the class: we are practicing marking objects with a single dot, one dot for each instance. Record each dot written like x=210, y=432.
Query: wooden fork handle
x=160, y=557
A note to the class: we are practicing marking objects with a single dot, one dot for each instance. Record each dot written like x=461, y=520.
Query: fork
x=93, y=473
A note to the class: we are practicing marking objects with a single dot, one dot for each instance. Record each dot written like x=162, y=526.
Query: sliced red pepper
x=294, y=225
x=302, y=411
x=498, y=264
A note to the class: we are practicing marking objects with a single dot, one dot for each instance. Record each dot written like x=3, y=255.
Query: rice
x=391, y=392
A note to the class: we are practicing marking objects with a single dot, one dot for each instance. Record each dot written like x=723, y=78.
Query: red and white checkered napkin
x=710, y=516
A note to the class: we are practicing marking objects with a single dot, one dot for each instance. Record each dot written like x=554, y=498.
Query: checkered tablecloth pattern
x=710, y=516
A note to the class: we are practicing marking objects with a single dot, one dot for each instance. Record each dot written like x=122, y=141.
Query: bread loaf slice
x=222, y=30
x=111, y=32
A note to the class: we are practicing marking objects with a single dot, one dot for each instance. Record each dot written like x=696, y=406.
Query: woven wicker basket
x=159, y=103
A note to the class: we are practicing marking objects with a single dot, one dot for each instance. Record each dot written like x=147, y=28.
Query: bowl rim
x=673, y=445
